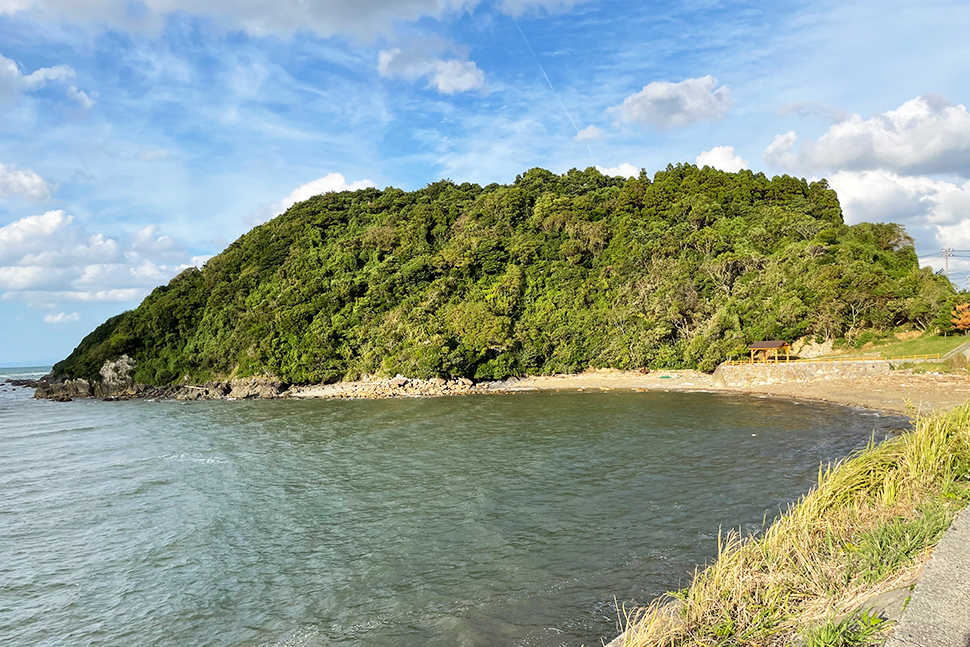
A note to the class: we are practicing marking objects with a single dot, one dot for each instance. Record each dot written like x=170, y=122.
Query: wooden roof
x=762, y=345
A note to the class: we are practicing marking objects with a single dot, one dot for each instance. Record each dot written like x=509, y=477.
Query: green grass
x=925, y=345
x=856, y=630
x=865, y=529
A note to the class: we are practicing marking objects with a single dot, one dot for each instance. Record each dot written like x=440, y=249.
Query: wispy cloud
x=61, y=317
x=282, y=17
x=13, y=82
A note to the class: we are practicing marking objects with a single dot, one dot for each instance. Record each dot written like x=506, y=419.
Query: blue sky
x=140, y=137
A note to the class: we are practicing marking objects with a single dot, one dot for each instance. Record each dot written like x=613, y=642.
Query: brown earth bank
x=899, y=391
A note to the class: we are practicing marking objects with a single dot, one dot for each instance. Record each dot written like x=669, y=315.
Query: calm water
x=478, y=520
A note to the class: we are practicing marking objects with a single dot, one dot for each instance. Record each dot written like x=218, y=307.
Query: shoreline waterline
x=901, y=391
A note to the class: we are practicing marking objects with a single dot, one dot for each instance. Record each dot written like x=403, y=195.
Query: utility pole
x=947, y=253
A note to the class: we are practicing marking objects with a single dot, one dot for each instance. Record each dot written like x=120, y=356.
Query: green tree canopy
x=552, y=273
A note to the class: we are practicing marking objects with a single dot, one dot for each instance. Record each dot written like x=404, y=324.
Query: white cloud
x=453, y=76
x=330, y=183
x=45, y=75
x=19, y=237
x=662, y=104
x=589, y=132
x=955, y=236
x=46, y=259
x=723, y=159
x=933, y=211
x=24, y=182
x=779, y=151
x=61, y=317
x=448, y=76
x=925, y=135
x=326, y=17
x=45, y=298
x=623, y=170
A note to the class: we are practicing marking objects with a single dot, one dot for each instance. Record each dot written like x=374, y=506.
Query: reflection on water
x=475, y=520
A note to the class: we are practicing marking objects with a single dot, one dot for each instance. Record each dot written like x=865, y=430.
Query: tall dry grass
x=867, y=527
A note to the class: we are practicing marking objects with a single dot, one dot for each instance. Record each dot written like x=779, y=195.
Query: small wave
x=300, y=638
x=194, y=458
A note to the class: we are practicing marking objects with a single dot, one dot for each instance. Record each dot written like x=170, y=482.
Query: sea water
x=456, y=521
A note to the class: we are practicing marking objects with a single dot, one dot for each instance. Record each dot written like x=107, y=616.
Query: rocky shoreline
x=117, y=383
x=898, y=391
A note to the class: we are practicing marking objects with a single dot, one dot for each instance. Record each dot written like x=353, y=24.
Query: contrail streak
x=551, y=87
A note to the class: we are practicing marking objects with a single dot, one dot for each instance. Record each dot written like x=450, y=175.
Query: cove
x=474, y=520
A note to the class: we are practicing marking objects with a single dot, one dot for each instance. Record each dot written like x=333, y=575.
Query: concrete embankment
x=760, y=374
x=938, y=614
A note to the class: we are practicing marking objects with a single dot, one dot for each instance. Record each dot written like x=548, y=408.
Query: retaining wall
x=759, y=374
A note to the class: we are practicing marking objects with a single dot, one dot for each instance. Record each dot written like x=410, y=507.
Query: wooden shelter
x=767, y=351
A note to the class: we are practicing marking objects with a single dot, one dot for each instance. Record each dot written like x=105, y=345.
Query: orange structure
x=767, y=351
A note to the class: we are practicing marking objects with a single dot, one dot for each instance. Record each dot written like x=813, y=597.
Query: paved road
x=939, y=613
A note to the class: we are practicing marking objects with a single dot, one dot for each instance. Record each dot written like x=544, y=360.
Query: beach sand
x=899, y=391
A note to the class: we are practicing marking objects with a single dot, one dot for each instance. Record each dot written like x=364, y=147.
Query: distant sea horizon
x=46, y=365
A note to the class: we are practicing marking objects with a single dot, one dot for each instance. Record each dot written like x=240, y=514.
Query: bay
x=473, y=520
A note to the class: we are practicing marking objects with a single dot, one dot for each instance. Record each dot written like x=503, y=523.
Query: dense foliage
x=550, y=274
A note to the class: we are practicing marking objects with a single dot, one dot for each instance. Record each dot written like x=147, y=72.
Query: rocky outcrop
x=117, y=376
x=398, y=386
x=117, y=379
x=808, y=347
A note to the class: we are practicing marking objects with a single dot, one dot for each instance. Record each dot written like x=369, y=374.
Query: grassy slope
x=925, y=345
x=867, y=526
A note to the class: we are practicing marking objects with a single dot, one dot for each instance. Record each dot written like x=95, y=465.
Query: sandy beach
x=899, y=391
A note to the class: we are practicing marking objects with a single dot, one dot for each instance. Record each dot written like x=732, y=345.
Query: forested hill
x=552, y=273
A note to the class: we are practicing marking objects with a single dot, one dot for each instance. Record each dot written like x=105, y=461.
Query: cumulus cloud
x=662, y=104
x=47, y=259
x=924, y=136
x=24, y=182
x=723, y=159
x=623, y=170
x=326, y=17
x=933, y=211
x=589, y=132
x=454, y=76
x=448, y=76
x=330, y=183
x=779, y=151
x=61, y=317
